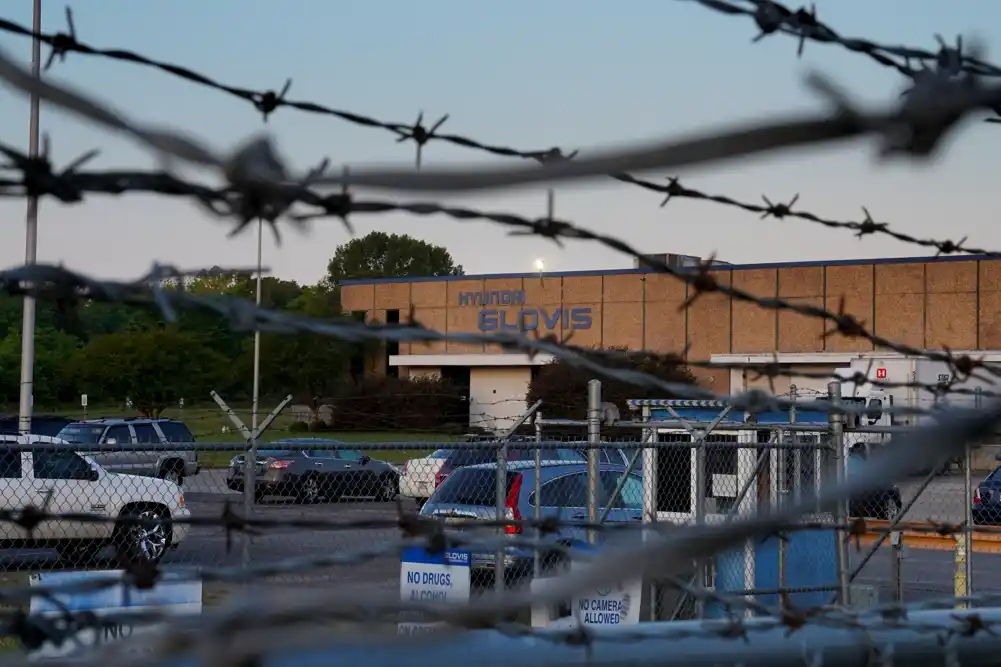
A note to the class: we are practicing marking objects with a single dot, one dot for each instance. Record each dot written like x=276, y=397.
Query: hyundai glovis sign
x=524, y=319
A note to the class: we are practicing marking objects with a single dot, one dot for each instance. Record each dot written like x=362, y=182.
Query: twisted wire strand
x=771, y=17
x=68, y=288
x=258, y=182
x=661, y=552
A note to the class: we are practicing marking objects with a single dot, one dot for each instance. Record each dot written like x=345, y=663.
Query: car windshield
x=469, y=486
x=84, y=434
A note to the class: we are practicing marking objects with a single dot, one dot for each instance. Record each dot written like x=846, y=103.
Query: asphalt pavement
x=925, y=574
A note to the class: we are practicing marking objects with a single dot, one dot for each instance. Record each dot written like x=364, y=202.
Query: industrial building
x=924, y=302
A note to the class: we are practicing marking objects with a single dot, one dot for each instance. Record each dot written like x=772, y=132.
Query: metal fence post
x=594, y=440
x=650, y=471
x=968, y=509
x=537, y=510
x=837, y=421
x=500, y=488
x=501, y=497
x=702, y=564
x=782, y=493
x=249, y=458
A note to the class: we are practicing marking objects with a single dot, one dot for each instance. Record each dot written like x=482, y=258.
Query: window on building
x=356, y=368
x=392, y=347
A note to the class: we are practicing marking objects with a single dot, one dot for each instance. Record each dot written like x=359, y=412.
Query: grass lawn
x=209, y=424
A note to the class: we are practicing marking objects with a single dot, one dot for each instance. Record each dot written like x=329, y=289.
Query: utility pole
x=30, y=243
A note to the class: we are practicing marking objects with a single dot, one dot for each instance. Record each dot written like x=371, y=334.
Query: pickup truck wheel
x=309, y=490
x=138, y=542
x=172, y=472
x=389, y=487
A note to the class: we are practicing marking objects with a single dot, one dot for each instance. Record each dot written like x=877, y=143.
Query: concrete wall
x=497, y=395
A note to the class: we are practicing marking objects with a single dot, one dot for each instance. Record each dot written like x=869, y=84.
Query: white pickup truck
x=65, y=482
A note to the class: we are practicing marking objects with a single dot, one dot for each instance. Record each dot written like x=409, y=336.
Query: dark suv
x=158, y=461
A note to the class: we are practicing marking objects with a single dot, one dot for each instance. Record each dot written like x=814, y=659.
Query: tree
x=381, y=255
x=153, y=368
x=562, y=387
x=50, y=382
x=310, y=366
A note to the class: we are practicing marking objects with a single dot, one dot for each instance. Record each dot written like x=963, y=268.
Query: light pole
x=30, y=242
x=257, y=332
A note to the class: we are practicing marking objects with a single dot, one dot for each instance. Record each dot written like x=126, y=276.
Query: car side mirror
x=365, y=458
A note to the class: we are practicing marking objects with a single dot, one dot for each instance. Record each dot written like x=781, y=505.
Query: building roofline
x=646, y=270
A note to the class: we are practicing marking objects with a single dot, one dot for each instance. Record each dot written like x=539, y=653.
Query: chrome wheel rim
x=150, y=540
x=388, y=488
x=891, y=510
x=310, y=489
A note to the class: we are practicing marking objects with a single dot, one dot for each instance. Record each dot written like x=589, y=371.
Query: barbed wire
x=68, y=287
x=259, y=184
x=658, y=551
x=773, y=17
x=267, y=102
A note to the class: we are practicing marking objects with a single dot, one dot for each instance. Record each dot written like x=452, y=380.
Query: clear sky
x=525, y=74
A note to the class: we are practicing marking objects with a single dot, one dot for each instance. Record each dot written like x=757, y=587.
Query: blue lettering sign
x=580, y=318
x=529, y=319
x=487, y=320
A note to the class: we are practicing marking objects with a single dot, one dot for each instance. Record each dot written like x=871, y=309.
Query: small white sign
x=432, y=579
x=83, y=400
x=614, y=605
x=170, y=596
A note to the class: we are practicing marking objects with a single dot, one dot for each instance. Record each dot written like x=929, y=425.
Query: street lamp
x=30, y=242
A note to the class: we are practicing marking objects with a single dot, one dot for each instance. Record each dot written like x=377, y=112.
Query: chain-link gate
x=713, y=464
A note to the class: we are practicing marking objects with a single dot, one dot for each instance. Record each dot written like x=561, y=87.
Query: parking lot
x=925, y=573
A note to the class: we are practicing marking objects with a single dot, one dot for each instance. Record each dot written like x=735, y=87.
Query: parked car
x=297, y=467
x=67, y=482
x=987, y=500
x=882, y=504
x=172, y=466
x=417, y=480
x=469, y=493
x=423, y=475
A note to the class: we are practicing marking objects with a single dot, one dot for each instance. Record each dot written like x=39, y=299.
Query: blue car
x=470, y=493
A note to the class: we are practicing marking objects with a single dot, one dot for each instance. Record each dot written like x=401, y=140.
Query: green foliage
x=381, y=255
x=394, y=404
x=52, y=383
x=152, y=368
x=111, y=352
x=562, y=387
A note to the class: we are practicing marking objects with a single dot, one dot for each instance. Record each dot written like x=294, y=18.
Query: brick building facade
x=927, y=302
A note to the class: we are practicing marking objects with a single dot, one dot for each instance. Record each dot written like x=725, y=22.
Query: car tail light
x=279, y=465
x=441, y=475
x=511, y=503
x=976, y=497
